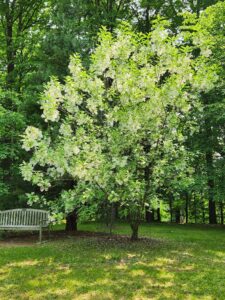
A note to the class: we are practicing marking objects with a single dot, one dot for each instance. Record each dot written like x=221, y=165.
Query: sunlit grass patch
x=178, y=262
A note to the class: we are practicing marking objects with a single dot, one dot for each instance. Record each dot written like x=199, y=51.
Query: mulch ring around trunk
x=10, y=239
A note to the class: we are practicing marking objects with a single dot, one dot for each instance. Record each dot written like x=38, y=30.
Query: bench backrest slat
x=24, y=217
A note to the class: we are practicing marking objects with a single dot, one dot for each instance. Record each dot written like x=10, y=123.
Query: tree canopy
x=141, y=121
x=117, y=126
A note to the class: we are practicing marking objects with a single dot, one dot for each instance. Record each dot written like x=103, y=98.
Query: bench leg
x=49, y=232
x=40, y=235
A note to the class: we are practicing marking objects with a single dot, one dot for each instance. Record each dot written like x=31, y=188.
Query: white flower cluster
x=50, y=101
x=31, y=138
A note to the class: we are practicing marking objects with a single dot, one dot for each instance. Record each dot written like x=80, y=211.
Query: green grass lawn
x=179, y=262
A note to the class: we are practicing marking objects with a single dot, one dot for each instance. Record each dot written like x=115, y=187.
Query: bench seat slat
x=19, y=227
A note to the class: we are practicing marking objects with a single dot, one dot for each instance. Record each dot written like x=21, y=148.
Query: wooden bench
x=24, y=219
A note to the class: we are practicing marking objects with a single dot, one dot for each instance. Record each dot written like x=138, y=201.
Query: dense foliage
x=121, y=123
x=140, y=126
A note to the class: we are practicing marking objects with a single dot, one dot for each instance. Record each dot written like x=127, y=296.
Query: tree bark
x=203, y=213
x=187, y=207
x=147, y=19
x=10, y=51
x=134, y=228
x=212, y=204
x=195, y=209
x=177, y=216
x=149, y=216
x=112, y=217
x=71, y=221
x=158, y=215
x=171, y=209
x=221, y=213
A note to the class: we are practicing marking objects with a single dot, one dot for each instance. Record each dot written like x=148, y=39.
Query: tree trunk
x=134, y=228
x=149, y=216
x=112, y=217
x=177, y=216
x=10, y=52
x=186, y=207
x=147, y=20
x=149, y=213
x=212, y=204
x=158, y=215
x=198, y=8
x=221, y=213
x=171, y=209
x=71, y=221
x=203, y=213
x=195, y=209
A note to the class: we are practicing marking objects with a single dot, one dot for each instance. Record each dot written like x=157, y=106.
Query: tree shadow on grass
x=100, y=268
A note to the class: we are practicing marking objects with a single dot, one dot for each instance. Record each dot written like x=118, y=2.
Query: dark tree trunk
x=134, y=228
x=187, y=207
x=221, y=213
x=71, y=221
x=158, y=215
x=198, y=8
x=147, y=19
x=203, y=213
x=109, y=213
x=149, y=216
x=177, y=215
x=212, y=211
x=212, y=204
x=10, y=52
x=149, y=213
x=116, y=207
x=171, y=209
x=195, y=209
x=111, y=217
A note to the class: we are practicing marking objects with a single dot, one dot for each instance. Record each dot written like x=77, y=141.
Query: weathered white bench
x=24, y=219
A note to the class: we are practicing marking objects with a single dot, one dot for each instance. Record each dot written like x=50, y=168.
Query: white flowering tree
x=115, y=127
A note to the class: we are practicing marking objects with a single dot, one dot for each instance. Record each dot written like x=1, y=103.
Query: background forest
x=37, y=40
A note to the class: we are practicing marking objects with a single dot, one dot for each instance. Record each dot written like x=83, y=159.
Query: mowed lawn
x=178, y=262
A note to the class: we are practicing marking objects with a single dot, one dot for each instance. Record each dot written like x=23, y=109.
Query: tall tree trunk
x=221, y=213
x=71, y=221
x=171, y=209
x=158, y=215
x=203, y=213
x=112, y=217
x=195, y=209
x=198, y=8
x=149, y=216
x=134, y=227
x=147, y=19
x=149, y=213
x=210, y=182
x=187, y=207
x=177, y=215
x=10, y=52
